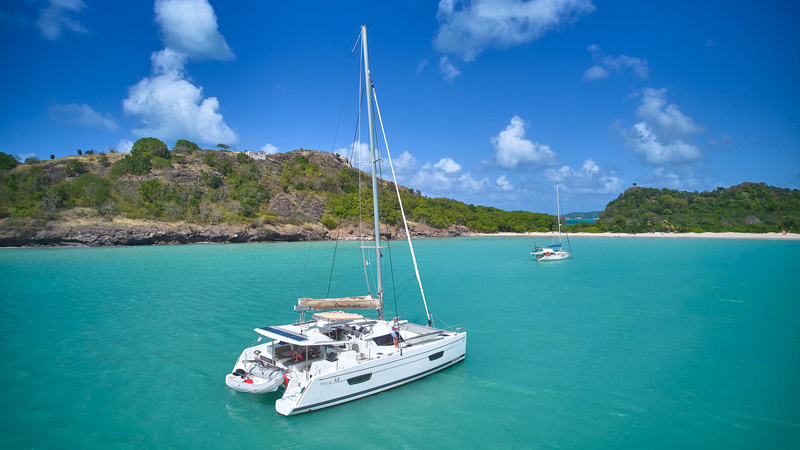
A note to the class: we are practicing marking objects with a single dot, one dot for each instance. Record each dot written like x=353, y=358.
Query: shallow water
x=633, y=343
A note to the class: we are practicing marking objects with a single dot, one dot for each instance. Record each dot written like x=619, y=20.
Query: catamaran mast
x=374, y=158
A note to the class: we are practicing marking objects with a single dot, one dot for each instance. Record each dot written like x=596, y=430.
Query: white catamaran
x=557, y=250
x=337, y=356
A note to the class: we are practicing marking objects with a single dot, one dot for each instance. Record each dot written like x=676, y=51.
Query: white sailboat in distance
x=336, y=356
x=557, y=250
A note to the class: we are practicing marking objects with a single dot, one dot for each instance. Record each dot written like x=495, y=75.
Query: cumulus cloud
x=74, y=114
x=55, y=17
x=447, y=165
x=468, y=27
x=190, y=27
x=269, y=148
x=445, y=178
x=449, y=71
x=169, y=106
x=504, y=184
x=404, y=164
x=588, y=179
x=605, y=64
x=513, y=150
x=667, y=119
x=595, y=73
x=357, y=153
x=124, y=146
x=661, y=137
x=657, y=152
x=167, y=103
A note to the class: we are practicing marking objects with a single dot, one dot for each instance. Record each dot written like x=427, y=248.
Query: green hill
x=295, y=195
x=747, y=208
x=155, y=195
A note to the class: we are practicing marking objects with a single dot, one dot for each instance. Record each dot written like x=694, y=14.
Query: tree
x=223, y=146
x=31, y=160
x=76, y=167
x=149, y=147
x=182, y=145
x=80, y=152
x=7, y=161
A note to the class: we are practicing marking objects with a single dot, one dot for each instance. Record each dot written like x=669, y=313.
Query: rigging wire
x=402, y=212
x=344, y=193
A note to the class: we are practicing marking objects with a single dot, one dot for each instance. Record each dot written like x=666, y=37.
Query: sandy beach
x=727, y=235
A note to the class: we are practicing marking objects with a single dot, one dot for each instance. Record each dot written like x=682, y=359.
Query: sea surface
x=632, y=344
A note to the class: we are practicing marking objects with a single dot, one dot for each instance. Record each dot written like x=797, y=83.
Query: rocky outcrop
x=104, y=235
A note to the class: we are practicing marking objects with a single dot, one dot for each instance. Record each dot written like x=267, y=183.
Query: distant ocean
x=574, y=221
x=633, y=344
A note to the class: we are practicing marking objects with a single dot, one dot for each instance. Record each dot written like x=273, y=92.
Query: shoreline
x=146, y=234
x=708, y=235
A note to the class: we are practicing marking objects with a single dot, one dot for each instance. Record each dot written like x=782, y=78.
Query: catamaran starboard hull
x=373, y=376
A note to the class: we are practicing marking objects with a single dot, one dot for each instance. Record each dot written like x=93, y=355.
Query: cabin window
x=436, y=355
x=359, y=379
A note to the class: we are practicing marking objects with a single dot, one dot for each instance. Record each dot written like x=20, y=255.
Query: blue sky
x=490, y=102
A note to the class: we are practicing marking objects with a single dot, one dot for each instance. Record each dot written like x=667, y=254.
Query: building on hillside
x=256, y=154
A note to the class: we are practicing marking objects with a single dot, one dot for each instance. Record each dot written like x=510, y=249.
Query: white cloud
x=683, y=178
x=668, y=120
x=357, y=153
x=74, y=114
x=171, y=107
x=504, y=184
x=513, y=150
x=604, y=64
x=595, y=73
x=447, y=68
x=656, y=152
x=445, y=178
x=167, y=103
x=124, y=146
x=269, y=148
x=404, y=164
x=661, y=137
x=447, y=165
x=190, y=27
x=589, y=179
x=469, y=27
x=422, y=65
x=55, y=17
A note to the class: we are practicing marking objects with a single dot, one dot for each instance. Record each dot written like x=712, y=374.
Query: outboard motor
x=240, y=373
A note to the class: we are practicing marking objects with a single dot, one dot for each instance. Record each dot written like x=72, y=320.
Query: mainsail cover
x=342, y=303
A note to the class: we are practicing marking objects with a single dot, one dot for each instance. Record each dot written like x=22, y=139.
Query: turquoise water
x=634, y=343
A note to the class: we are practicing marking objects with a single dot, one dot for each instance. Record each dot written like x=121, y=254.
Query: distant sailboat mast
x=558, y=203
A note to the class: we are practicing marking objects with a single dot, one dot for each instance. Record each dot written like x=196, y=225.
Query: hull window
x=436, y=355
x=359, y=379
